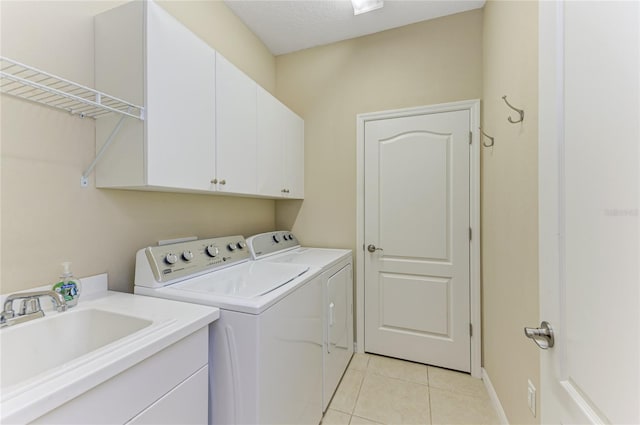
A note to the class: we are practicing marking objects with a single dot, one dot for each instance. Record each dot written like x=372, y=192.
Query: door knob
x=542, y=336
x=372, y=248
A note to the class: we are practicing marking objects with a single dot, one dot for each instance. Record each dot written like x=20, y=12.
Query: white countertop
x=172, y=321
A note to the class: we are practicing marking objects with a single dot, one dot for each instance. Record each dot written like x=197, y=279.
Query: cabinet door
x=180, y=104
x=236, y=132
x=271, y=163
x=185, y=404
x=293, y=144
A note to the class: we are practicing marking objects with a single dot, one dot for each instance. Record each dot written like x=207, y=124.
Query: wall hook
x=488, y=137
x=519, y=111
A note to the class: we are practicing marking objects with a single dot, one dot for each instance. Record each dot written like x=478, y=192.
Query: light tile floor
x=382, y=390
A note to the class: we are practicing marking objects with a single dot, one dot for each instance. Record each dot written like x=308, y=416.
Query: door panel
x=417, y=215
x=418, y=304
x=425, y=158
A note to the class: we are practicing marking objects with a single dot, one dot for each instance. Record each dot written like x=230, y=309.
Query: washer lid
x=247, y=280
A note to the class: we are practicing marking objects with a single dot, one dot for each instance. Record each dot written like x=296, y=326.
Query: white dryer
x=265, y=350
x=337, y=294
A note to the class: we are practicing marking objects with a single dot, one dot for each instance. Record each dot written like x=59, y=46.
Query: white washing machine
x=265, y=351
x=282, y=247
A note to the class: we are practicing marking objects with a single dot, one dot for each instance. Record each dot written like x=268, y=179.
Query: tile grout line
x=430, y=409
x=360, y=389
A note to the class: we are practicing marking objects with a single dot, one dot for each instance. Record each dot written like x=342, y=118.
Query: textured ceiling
x=289, y=25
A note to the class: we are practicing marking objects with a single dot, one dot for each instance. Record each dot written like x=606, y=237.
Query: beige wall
x=46, y=217
x=425, y=63
x=510, y=203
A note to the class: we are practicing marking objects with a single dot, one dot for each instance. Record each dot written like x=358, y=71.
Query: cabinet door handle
x=223, y=182
x=285, y=191
x=214, y=181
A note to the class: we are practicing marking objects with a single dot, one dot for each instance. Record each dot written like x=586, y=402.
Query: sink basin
x=29, y=349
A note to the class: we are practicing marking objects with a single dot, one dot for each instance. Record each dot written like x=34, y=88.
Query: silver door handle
x=542, y=336
x=372, y=248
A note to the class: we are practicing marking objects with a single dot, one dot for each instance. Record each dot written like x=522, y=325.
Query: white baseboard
x=494, y=398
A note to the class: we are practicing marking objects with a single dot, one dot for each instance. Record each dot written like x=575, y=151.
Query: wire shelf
x=25, y=82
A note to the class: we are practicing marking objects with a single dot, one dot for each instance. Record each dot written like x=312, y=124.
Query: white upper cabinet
x=280, y=149
x=236, y=118
x=142, y=52
x=208, y=127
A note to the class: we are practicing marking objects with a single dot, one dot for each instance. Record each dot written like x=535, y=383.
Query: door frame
x=473, y=106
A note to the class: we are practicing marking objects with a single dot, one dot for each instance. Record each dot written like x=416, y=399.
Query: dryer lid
x=316, y=257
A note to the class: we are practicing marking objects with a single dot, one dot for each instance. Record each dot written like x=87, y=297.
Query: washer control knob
x=232, y=246
x=242, y=245
x=276, y=238
x=211, y=251
x=171, y=258
x=290, y=237
x=187, y=255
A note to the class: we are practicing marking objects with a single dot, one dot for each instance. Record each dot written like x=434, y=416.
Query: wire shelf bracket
x=29, y=83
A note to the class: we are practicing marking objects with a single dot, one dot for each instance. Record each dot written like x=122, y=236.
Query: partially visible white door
x=589, y=196
x=417, y=275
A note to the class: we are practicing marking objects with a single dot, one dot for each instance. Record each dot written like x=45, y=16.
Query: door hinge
x=470, y=234
x=470, y=137
x=470, y=329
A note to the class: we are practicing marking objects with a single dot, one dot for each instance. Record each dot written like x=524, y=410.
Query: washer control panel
x=185, y=259
x=271, y=243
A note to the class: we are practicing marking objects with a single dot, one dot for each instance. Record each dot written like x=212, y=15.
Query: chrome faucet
x=29, y=307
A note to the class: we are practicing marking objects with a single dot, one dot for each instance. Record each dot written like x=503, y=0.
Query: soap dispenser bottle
x=68, y=286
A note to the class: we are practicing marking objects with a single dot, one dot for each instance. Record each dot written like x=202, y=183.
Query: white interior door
x=589, y=193
x=416, y=215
